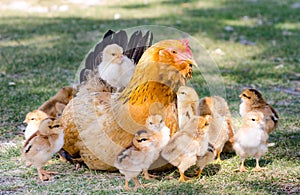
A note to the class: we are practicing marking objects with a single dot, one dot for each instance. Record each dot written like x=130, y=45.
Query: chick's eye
x=253, y=119
x=142, y=140
x=56, y=126
x=151, y=123
x=174, y=52
x=32, y=119
x=113, y=54
x=206, y=124
x=182, y=93
x=161, y=121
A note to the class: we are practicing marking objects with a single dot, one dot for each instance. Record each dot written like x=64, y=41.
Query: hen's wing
x=132, y=49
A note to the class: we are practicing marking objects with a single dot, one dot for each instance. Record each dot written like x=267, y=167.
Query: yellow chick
x=187, y=144
x=251, y=139
x=187, y=102
x=33, y=120
x=116, y=69
x=160, y=134
x=137, y=157
x=41, y=146
x=252, y=100
x=56, y=104
x=221, y=128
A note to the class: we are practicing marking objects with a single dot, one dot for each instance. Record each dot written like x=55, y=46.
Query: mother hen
x=100, y=124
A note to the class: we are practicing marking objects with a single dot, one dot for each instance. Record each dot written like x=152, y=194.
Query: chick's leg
x=147, y=175
x=182, y=177
x=126, y=187
x=136, y=182
x=242, y=167
x=45, y=175
x=199, y=173
x=257, y=167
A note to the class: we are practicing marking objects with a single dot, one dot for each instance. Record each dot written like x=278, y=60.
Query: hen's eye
x=174, y=52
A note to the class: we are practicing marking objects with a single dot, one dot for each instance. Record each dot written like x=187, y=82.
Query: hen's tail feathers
x=133, y=49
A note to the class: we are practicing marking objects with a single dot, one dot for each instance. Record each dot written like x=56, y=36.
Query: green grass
x=41, y=52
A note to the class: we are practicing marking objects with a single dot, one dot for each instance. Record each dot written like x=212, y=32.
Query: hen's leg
x=199, y=173
x=147, y=175
x=182, y=177
x=218, y=156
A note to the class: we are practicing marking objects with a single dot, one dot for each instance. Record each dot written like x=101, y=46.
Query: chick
x=137, y=157
x=187, y=102
x=251, y=139
x=41, y=146
x=56, y=104
x=33, y=120
x=116, y=68
x=187, y=144
x=252, y=100
x=160, y=134
x=221, y=128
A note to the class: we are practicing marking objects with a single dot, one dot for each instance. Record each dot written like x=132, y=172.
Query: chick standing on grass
x=251, y=139
x=252, y=100
x=187, y=144
x=41, y=146
x=33, y=120
x=116, y=68
x=137, y=157
x=161, y=135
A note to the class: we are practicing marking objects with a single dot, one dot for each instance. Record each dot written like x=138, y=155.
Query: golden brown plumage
x=41, y=146
x=221, y=128
x=163, y=68
x=56, y=104
x=137, y=157
x=187, y=144
x=252, y=100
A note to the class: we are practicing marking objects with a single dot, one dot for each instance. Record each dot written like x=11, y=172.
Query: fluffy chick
x=33, y=120
x=56, y=104
x=252, y=100
x=41, y=146
x=137, y=157
x=160, y=133
x=221, y=128
x=251, y=139
x=116, y=68
x=187, y=144
x=187, y=102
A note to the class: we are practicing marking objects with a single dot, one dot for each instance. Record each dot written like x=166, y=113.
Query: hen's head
x=176, y=53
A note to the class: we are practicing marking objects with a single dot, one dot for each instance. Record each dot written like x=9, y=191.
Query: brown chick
x=221, y=128
x=41, y=146
x=251, y=138
x=252, y=100
x=187, y=102
x=137, y=157
x=56, y=104
x=187, y=144
x=160, y=134
x=33, y=120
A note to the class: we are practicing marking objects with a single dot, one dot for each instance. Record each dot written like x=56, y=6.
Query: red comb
x=186, y=43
